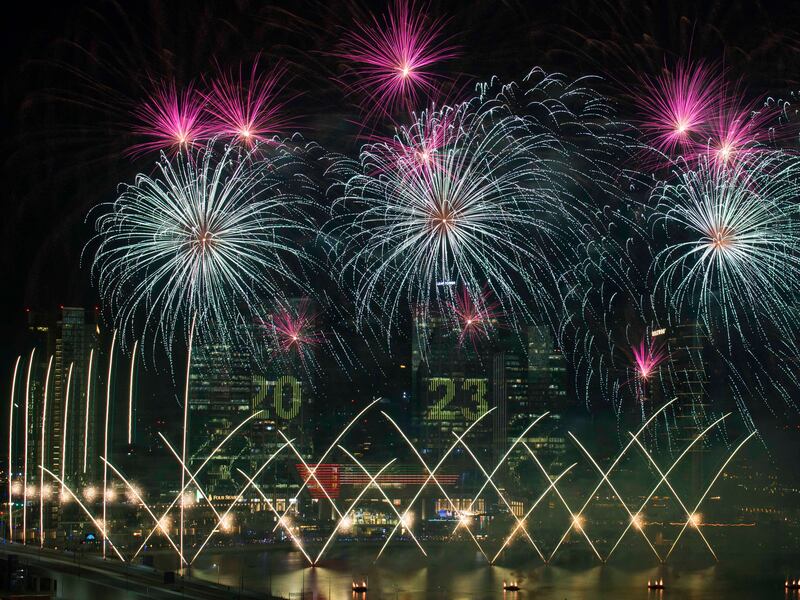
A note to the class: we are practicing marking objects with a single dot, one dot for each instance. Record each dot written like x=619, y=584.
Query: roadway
x=112, y=573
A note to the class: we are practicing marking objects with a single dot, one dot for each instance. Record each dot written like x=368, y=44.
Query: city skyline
x=415, y=298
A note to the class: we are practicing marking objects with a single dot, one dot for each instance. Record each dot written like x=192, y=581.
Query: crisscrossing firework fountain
x=511, y=521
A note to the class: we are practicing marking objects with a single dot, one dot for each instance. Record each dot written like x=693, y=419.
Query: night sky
x=74, y=72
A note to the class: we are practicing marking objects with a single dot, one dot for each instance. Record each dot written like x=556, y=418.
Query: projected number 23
x=467, y=396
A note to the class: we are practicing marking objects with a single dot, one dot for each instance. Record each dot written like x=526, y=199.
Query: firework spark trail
x=312, y=472
x=25, y=451
x=652, y=461
x=432, y=476
x=172, y=120
x=385, y=497
x=105, y=435
x=197, y=471
x=390, y=61
x=100, y=526
x=185, y=430
x=86, y=411
x=211, y=235
x=191, y=476
x=708, y=489
x=572, y=515
x=66, y=422
x=503, y=459
x=11, y=451
x=738, y=266
x=235, y=501
x=136, y=494
x=663, y=478
x=41, y=450
x=605, y=478
x=130, y=393
x=350, y=508
x=498, y=492
x=536, y=502
x=614, y=463
x=288, y=528
x=247, y=110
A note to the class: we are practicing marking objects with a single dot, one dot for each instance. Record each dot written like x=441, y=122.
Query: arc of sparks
x=134, y=491
x=431, y=475
x=499, y=493
x=664, y=477
x=185, y=427
x=105, y=437
x=326, y=453
x=11, y=450
x=611, y=468
x=25, y=450
x=674, y=494
x=66, y=422
x=86, y=510
x=563, y=500
x=521, y=523
x=41, y=451
x=504, y=458
x=388, y=501
x=313, y=473
x=130, y=393
x=708, y=489
x=189, y=473
x=351, y=507
x=235, y=500
x=86, y=411
x=605, y=478
x=196, y=473
x=288, y=529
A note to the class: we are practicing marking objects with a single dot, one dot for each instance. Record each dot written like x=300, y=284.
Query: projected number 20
x=283, y=396
x=468, y=392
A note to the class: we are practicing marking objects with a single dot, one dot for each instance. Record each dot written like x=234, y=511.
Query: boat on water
x=360, y=586
x=511, y=586
x=656, y=584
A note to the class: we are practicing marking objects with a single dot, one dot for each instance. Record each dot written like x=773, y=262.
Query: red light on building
x=325, y=479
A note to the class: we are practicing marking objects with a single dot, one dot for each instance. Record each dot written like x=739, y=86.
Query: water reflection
x=464, y=575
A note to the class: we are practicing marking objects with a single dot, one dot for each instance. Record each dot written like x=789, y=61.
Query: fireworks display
x=479, y=256
x=212, y=237
x=731, y=255
x=394, y=61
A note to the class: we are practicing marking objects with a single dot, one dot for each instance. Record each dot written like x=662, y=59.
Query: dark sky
x=73, y=71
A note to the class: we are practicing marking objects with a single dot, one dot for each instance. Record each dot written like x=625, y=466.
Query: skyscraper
x=450, y=386
x=70, y=337
x=220, y=397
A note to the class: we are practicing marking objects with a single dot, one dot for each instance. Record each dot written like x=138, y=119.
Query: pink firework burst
x=247, y=108
x=676, y=105
x=476, y=315
x=737, y=130
x=647, y=359
x=416, y=150
x=391, y=60
x=294, y=329
x=171, y=120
